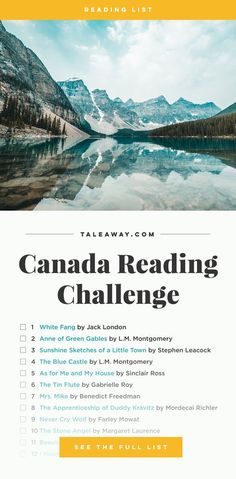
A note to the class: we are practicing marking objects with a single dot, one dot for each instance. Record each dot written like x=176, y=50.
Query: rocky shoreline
x=26, y=133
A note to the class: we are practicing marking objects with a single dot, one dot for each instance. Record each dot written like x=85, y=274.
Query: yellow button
x=121, y=447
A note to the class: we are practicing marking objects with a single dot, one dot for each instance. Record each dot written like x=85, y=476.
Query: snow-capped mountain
x=22, y=74
x=98, y=110
x=107, y=116
x=158, y=110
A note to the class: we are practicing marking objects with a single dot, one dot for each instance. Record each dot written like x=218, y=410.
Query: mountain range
x=22, y=74
x=107, y=116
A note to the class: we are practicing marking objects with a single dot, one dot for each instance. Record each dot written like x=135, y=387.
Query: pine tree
x=49, y=125
x=58, y=126
x=54, y=123
x=64, y=132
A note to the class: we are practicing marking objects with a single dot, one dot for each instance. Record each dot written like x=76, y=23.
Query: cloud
x=100, y=67
x=175, y=58
x=83, y=48
x=21, y=23
x=116, y=31
x=140, y=59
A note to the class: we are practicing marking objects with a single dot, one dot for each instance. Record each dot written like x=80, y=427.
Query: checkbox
x=22, y=442
x=22, y=338
x=22, y=361
x=22, y=372
x=22, y=407
x=22, y=430
x=23, y=396
x=22, y=418
x=22, y=327
x=23, y=384
x=23, y=350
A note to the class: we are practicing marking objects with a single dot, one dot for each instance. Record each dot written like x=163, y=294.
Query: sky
x=139, y=59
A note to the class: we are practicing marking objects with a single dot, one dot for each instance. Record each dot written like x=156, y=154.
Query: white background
x=205, y=316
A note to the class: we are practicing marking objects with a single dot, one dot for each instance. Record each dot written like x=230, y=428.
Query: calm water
x=110, y=174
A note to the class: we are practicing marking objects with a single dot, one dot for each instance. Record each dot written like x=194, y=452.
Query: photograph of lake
x=117, y=115
x=107, y=174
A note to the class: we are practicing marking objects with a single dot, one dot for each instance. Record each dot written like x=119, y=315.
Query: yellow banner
x=119, y=10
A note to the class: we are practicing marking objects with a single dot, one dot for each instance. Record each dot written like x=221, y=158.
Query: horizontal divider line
x=185, y=234
x=49, y=234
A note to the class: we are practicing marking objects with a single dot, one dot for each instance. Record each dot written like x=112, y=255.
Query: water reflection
x=111, y=174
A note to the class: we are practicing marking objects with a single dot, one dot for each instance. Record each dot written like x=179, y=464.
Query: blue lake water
x=112, y=174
